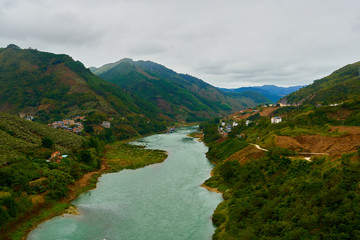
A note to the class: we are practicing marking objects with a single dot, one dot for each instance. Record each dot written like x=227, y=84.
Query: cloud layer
x=226, y=43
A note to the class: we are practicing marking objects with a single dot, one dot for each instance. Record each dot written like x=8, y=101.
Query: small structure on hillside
x=55, y=157
x=106, y=124
x=275, y=120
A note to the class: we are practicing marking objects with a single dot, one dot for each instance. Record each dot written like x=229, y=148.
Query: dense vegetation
x=280, y=195
x=54, y=87
x=29, y=177
x=278, y=198
x=341, y=85
x=22, y=138
x=121, y=155
x=178, y=96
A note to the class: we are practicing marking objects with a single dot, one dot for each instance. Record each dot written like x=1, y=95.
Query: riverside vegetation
x=278, y=194
x=33, y=189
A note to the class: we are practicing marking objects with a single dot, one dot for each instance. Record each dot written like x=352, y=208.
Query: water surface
x=161, y=201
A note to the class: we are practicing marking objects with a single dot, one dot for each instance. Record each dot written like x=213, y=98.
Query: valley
x=287, y=163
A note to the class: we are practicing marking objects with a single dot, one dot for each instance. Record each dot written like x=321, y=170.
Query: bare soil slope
x=247, y=154
x=323, y=144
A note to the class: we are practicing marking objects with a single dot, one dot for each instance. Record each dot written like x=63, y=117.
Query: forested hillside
x=341, y=85
x=285, y=191
x=53, y=87
x=21, y=138
x=178, y=96
x=37, y=165
x=295, y=179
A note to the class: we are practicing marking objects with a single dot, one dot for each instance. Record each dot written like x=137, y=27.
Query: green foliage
x=19, y=137
x=210, y=130
x=339, y=86
x=223, y=150
x=276, y=198
x=121, y=155
x=25, y=170
x=178, y=96
x=47, y=142
x=55, y=87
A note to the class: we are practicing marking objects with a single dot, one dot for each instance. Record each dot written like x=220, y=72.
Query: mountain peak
x=13, y=46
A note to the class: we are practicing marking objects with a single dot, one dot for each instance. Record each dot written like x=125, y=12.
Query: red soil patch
x=163, y=105
x=247, y=154
x=348, y=130
x=323, y=144
x=267, y=111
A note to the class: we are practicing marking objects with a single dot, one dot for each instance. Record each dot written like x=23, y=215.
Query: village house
x=275, y=120
x=55, y=157
x=80, y=118
x=106, y=124
x=26, y=116
x=69, y=122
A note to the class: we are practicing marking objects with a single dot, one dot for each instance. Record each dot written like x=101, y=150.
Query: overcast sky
x=228, y=43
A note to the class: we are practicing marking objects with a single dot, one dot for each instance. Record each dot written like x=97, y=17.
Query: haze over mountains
x=272, y=92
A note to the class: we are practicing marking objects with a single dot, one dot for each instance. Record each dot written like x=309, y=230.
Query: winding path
x=300, y=153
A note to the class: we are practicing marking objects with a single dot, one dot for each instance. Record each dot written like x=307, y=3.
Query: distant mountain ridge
x=178, y=96
x=341, y=85
x=272, y=92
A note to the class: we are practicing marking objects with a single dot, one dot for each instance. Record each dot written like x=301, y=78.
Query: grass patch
x=120, y=155
x=47, y=211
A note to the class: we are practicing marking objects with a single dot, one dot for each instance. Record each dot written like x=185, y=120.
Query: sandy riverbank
x=210, y=188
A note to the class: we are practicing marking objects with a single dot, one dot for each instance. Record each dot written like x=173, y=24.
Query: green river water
x=161, y=201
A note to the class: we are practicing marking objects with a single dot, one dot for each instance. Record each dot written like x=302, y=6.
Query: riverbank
x=127, y=204
x=119, y=155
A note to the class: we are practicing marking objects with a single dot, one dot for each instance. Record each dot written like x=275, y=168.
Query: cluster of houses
x=70, y=125
x=225, y=127
x=26, y=116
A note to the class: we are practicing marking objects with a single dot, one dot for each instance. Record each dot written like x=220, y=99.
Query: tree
x=47, y=142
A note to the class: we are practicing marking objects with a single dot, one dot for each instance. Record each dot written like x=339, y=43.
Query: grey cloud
x=227, y=44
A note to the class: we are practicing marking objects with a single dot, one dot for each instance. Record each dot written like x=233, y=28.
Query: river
x=160, y=201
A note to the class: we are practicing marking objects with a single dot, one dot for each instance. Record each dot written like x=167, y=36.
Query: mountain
x=180, y=97
x=54, y=86
x=341, y=85
x=272, y=92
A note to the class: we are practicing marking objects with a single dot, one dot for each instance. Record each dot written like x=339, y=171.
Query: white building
x=106, y=124
x=275, y=120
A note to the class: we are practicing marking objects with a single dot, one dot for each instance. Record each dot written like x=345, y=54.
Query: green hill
x=54, y=86
x=37, y=165
x=178, y=96
x=21, y=138
x=341, y=85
